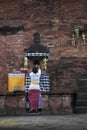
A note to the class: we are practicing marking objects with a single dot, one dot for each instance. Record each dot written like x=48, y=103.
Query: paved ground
x=39, y=122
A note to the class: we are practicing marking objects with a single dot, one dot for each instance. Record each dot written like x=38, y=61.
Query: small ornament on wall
x=45, y=64
x=25, y=62
x=83, y=38
x=78, y=35
x=76, y=31
x=73, y=40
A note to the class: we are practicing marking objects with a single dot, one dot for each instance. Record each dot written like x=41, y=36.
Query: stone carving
x=78, y=35
x=36, y=38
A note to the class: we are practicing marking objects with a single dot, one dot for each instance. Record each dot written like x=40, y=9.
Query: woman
x=34, y=89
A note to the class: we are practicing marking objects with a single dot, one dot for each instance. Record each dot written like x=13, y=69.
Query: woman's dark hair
x=35, y=69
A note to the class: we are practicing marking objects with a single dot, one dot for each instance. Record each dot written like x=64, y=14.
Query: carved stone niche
x=36, y=51
x=79, y=33
x=10, y=27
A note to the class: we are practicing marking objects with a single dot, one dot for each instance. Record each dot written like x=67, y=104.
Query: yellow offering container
x=16, y=82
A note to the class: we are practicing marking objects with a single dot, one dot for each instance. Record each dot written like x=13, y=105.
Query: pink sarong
x=34, y=99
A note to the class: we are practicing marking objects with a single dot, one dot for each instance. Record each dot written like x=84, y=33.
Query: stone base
x=14, y=104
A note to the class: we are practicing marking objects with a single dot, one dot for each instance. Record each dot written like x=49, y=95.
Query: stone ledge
x=43, y=93
x=13, y=104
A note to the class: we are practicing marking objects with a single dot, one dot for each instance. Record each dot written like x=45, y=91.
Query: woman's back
x=35, y=79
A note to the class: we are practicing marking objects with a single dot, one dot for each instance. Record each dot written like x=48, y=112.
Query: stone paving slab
x=47, y=122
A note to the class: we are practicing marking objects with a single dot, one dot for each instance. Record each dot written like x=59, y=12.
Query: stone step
x=81, y=103
x=80, y=110
x=83, y=76
x=82, y=82
x=81, y=96
x=82, y=90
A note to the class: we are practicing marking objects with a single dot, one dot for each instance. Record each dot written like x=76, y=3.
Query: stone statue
x=25, y=62
x=45, y=63
x=36, y=38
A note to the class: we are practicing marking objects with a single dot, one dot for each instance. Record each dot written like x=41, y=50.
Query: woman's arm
x=39, y=71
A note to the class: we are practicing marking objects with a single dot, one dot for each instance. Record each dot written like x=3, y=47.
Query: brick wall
x=52, y=19
x=66, y=73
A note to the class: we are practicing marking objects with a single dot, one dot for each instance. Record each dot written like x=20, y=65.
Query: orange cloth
x=16, y=82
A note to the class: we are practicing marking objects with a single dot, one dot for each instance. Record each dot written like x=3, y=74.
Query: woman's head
x=35, y=69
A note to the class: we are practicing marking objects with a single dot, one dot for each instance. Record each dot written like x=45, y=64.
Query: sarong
x=34, y=99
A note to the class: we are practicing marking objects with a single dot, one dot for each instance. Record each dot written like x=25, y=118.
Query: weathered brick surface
x=65, y=74
x=10, y=9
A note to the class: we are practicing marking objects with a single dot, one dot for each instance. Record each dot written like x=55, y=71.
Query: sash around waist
x=34, y=83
